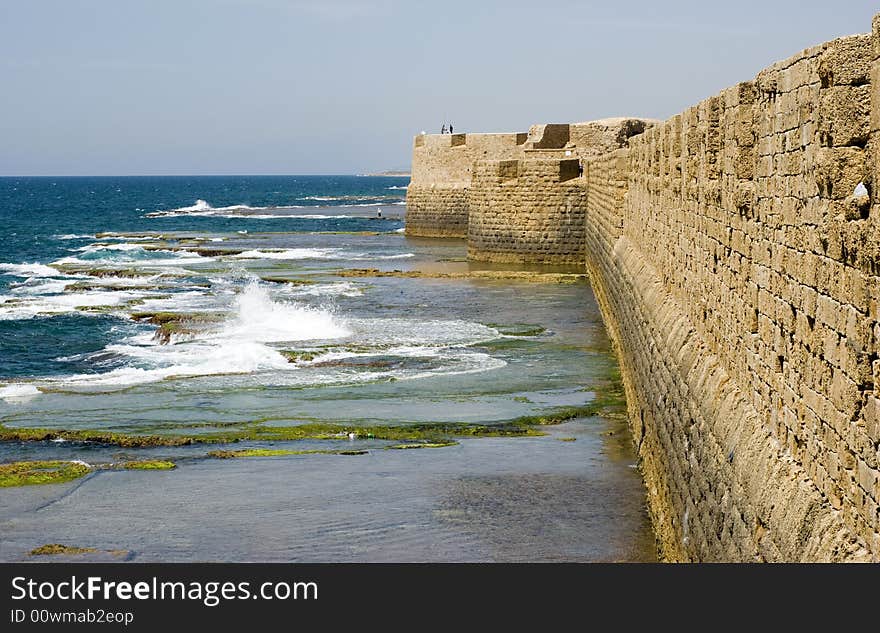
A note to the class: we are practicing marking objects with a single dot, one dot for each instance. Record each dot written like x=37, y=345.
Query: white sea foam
x=290, y=253
x=17, y=308
x=93, y=248
x=341, y=288
x=317, y=253
x=200, y=205
x=398, y=256
x=246, y=345
x=259, y=318
x=40, y=286
x=190, y=301
x=396, y=187
x=470, y=363
x=130, y=238
x=126, y=253
x=204, y=208
x=111, y=282
x=447, y=361
x=237, y=346
x=420, y=333
x=73, y=236
x=18, y=392
x=30, y=270
x=181, y=361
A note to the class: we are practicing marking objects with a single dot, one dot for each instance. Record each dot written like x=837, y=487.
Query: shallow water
x=383, y=351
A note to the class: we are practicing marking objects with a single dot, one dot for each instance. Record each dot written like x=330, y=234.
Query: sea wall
x=527, y=211
x=533, y=209
x=735, y=252
x=437, y=197
x=736, y=269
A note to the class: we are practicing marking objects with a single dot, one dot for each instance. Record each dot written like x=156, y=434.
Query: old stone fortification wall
x=735, y=252
x=527, y=210
x=533, y=209
x=437, y=197
x=737, y=270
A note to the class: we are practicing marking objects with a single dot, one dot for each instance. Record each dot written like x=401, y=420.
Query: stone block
x=846, y=61
x=844, y=116
x=838, y=171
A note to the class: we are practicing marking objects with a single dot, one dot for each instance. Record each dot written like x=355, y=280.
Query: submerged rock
x=179, y=323
x=54, y=549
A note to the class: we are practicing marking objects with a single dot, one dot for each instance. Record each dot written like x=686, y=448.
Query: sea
x=199, y=305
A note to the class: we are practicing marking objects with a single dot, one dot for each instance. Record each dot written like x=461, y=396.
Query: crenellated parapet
x=527, y=210
x=532, y=209
x=437, y=198
x=444, y=188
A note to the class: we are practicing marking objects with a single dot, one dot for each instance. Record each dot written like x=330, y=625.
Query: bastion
x=734, y=250
x=437, y=197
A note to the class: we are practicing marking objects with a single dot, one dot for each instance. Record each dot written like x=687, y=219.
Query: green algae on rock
x=443, y=444
x=279, y=452
x=295, y=356
x=518, y=275
x=55, y=549
x=148, y=464
x=109, y=272
x=257, y=431
x=41, y=472
x=97, y=436
x=171, y=323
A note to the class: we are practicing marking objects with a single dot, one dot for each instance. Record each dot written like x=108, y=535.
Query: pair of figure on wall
x=446, y=129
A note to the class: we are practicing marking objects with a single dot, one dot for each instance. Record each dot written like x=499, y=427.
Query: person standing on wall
x=443, y=129
x=450, y=128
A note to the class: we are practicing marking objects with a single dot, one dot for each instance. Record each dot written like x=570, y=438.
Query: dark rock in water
x=179, y=323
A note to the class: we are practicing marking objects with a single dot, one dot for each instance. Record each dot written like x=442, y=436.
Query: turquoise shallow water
x=282, y=338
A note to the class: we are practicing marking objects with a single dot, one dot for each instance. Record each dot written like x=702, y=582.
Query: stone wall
x=527, y=210
x=735, y=252
x=737, y=274
x=436, y=200
x=533, y=210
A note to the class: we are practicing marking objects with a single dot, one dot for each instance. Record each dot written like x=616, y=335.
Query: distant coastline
x=392, y=172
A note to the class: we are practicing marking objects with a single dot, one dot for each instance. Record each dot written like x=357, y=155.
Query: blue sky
x=337, y=86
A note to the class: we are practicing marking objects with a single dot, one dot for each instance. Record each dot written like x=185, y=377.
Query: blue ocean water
x=35, y=211
x=47, y=219
x=272, y=324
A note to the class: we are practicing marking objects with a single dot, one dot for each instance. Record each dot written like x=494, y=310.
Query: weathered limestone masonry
x=737, y=266
x=437, y=197
x=441, y=193
x=532, y=209
x=527, y=210
x=735, y=252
